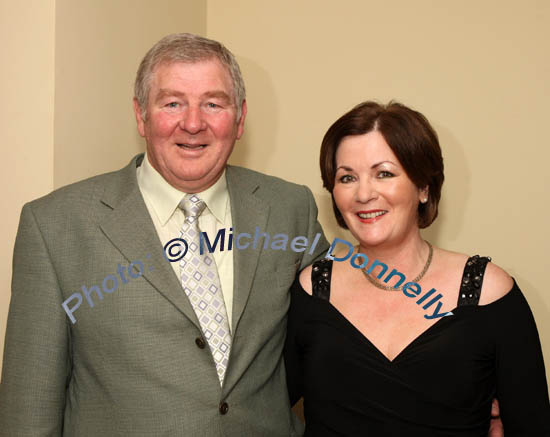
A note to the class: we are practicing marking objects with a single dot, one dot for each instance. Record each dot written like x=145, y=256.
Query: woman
x=377, y=358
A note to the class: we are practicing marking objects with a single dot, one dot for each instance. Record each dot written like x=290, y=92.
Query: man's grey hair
x=186, y=47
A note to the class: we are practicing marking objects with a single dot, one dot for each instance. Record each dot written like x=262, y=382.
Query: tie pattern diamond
x=201, y=283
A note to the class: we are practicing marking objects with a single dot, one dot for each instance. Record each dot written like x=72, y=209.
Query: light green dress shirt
x=162, y=201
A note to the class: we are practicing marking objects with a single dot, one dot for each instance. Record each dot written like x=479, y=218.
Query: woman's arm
x=496, y=429
x=292, y=351
x=292, y=355
x=522, y=390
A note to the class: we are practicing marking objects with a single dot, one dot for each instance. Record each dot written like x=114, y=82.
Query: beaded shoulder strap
x=320, y=278
x=472, y=280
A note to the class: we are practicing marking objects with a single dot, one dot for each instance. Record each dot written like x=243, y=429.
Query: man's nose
x=192, y=120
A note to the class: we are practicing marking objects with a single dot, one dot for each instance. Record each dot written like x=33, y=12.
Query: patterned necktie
x=200, y=280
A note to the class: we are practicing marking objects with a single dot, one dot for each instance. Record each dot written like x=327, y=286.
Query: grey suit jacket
x=131, y=365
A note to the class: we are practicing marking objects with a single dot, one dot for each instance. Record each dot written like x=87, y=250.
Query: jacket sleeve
x=314, y=228
x=36, y=362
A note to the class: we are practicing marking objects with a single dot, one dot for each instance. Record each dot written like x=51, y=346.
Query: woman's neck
x=407, y=256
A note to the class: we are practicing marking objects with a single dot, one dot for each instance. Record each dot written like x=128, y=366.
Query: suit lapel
x=247, y=213
x=130, y=229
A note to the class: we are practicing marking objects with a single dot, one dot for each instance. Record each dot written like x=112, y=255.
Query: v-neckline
x=365, y=339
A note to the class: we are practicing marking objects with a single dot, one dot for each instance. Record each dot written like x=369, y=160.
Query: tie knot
x=192, y=206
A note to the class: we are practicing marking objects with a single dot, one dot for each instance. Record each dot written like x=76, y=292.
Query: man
x=107, y=338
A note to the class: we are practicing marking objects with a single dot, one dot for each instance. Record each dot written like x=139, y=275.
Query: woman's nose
x=365, y=191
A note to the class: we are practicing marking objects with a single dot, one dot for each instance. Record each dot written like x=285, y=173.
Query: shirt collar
x=165, y=199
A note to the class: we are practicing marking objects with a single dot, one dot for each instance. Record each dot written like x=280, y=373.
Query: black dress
x=442, y=384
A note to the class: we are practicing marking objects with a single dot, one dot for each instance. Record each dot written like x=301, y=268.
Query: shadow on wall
x=259, y=126
x=327, y=219
x=456, y=190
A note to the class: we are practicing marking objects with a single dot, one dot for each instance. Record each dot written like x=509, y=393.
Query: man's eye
x=346, y=179
x=172, y=105
x=385, y=174
x=212, y=105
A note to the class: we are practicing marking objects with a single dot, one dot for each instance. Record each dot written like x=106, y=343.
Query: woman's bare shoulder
x=305, y=279
x=496, y=282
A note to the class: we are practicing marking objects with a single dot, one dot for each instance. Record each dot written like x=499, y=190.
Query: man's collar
x=165, y=198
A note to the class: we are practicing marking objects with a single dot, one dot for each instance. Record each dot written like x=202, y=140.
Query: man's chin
x=193, y=181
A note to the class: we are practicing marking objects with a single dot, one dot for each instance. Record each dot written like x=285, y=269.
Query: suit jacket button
x=224, y=408
x=200, y=343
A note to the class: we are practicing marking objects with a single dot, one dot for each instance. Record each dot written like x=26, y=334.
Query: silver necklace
x=418, y=278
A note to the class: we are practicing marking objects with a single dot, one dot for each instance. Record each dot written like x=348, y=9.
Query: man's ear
x=240, y=124
x=139, y=118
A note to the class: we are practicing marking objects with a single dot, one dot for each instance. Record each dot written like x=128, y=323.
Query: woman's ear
x=423, y=194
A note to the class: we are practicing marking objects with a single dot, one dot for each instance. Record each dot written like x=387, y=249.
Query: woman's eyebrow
x=382, y=162
x=344, y=167
x=348, y=168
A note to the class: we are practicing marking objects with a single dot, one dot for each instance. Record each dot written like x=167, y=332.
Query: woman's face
x=375, y=196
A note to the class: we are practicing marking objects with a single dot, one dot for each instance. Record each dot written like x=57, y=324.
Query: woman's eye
x=385, y=174
x=346, y=178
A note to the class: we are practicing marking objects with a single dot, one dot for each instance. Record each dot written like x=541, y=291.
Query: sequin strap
x=320, y=278
x=472, y=280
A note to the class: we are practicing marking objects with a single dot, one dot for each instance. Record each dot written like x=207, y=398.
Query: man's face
x=191, y=123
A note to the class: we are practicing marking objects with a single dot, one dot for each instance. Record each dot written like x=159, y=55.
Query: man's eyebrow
x=163, y=92
x=217, y=95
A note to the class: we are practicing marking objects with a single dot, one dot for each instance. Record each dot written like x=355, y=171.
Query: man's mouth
x=191, y=146
x=371, y=215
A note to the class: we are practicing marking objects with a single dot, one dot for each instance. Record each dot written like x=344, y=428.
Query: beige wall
x=477, y=69
x=99, y=44
x=26, y=120
x=69, y=116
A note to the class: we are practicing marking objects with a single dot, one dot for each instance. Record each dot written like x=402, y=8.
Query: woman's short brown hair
x=411, y=138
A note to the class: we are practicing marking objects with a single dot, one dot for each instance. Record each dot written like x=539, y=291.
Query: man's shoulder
x=271, y=190
x=76, y=194
x=263, y=180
